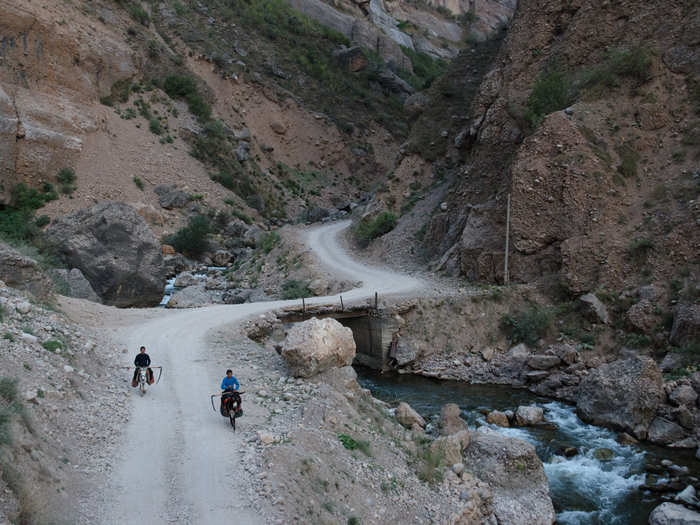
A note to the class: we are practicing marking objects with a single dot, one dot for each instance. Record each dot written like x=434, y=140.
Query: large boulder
x=190, y=297
x=169, y=197
x=527, y=416
x=408, y=417
x=74, y=284
x=22, y=272
x=673, y=514
x=543, y=361
x=450, y=448
x=623, y=395
x=515, y=475
x=317, y=345
x=686, y=324
x=116, y=251
x=451, y=421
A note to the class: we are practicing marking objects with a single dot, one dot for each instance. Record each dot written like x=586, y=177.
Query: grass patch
x=352, y=444
x=527, y=326
x=269, y=241
x=17, y=222
x=66, y=179
x=138, y=182
x=628, y=161
x=429, y=466
x=192, y=239
x=139, y=14
x=53, y=345
x=366, y=232
x=295, y=289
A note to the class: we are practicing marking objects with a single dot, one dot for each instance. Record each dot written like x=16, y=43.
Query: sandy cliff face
x=54, y=66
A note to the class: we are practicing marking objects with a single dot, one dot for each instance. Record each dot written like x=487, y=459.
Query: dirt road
x=176, y=463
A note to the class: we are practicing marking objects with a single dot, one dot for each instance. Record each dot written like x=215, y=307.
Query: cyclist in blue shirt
x=229, y=383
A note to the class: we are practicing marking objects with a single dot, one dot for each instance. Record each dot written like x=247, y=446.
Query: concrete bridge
x=373, y=328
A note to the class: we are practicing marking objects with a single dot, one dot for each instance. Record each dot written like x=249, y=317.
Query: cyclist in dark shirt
x=142, y=359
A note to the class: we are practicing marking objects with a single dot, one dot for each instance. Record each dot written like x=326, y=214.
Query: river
x=584, y=490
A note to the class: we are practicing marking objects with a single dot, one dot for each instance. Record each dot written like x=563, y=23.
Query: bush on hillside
x=192, y=239
x=295, y=289
x=552, y=92
x=185, y=87
x=527, y=326
x=366, y=232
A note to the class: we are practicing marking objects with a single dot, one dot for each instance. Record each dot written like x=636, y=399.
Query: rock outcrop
x=317, y=345
x=76, y=285
x=114, y=248
x=686, y=324
x=623, y=395
x=515, y=475
x=451, y=421
x=22, y=272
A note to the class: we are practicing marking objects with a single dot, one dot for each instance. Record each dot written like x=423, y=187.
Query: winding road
x=176, y=463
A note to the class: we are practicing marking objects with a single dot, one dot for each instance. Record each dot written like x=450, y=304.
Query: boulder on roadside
x=261, y=327
x=623, y=395
x=515, y=475
x=594, y=309
x=115, y=249
x=408, y=417
x=451, y=421
x=527, y=416
x=686, y=324
x=673, y=514
x=22, y=272
x=317, y=345
x=189, y=297
x=496, y=417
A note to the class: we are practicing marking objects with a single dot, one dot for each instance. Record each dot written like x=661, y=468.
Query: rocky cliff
x=587, y=117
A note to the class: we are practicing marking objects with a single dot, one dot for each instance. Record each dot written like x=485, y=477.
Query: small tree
x=192, y=239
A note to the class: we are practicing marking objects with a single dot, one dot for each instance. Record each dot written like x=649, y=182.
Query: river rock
x=317, y=345
x=496, y=417
x=687, y=496
x=594, y=308
x=683, y=395
x=567, y=353
x=116, y=251
x=603, y=454
x=673, y=514
x=543, y=361
x=515, y=475
x=22, y=272
x=408, y=417
x=451, y=447
x=625, y=439
x=450, y=419
x=222, y=258
x=623, y=395
x=663, y=432
x=528, y=416
x=76, y=285
x=686, y=324
x=671, y=361
x=185, y=279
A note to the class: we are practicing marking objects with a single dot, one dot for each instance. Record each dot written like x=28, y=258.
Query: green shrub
x=353, y=520
x=638, y=249
x=66, y=178
x=53, y=345
x=295, y=289
x=368, y=231
x=17, y=222
x=527, y=326
x=154, y=126
x=185, y=87
x=425, y=69
x=628, y=161
x=42, y=220
x=269, y=241
x=2, y=313
x=8, y=389
x=139, y=14
x=632, y=63
x=429, y=466
x=353, y=444
x=138, y=182
x=552, y=92
x=192, y=239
